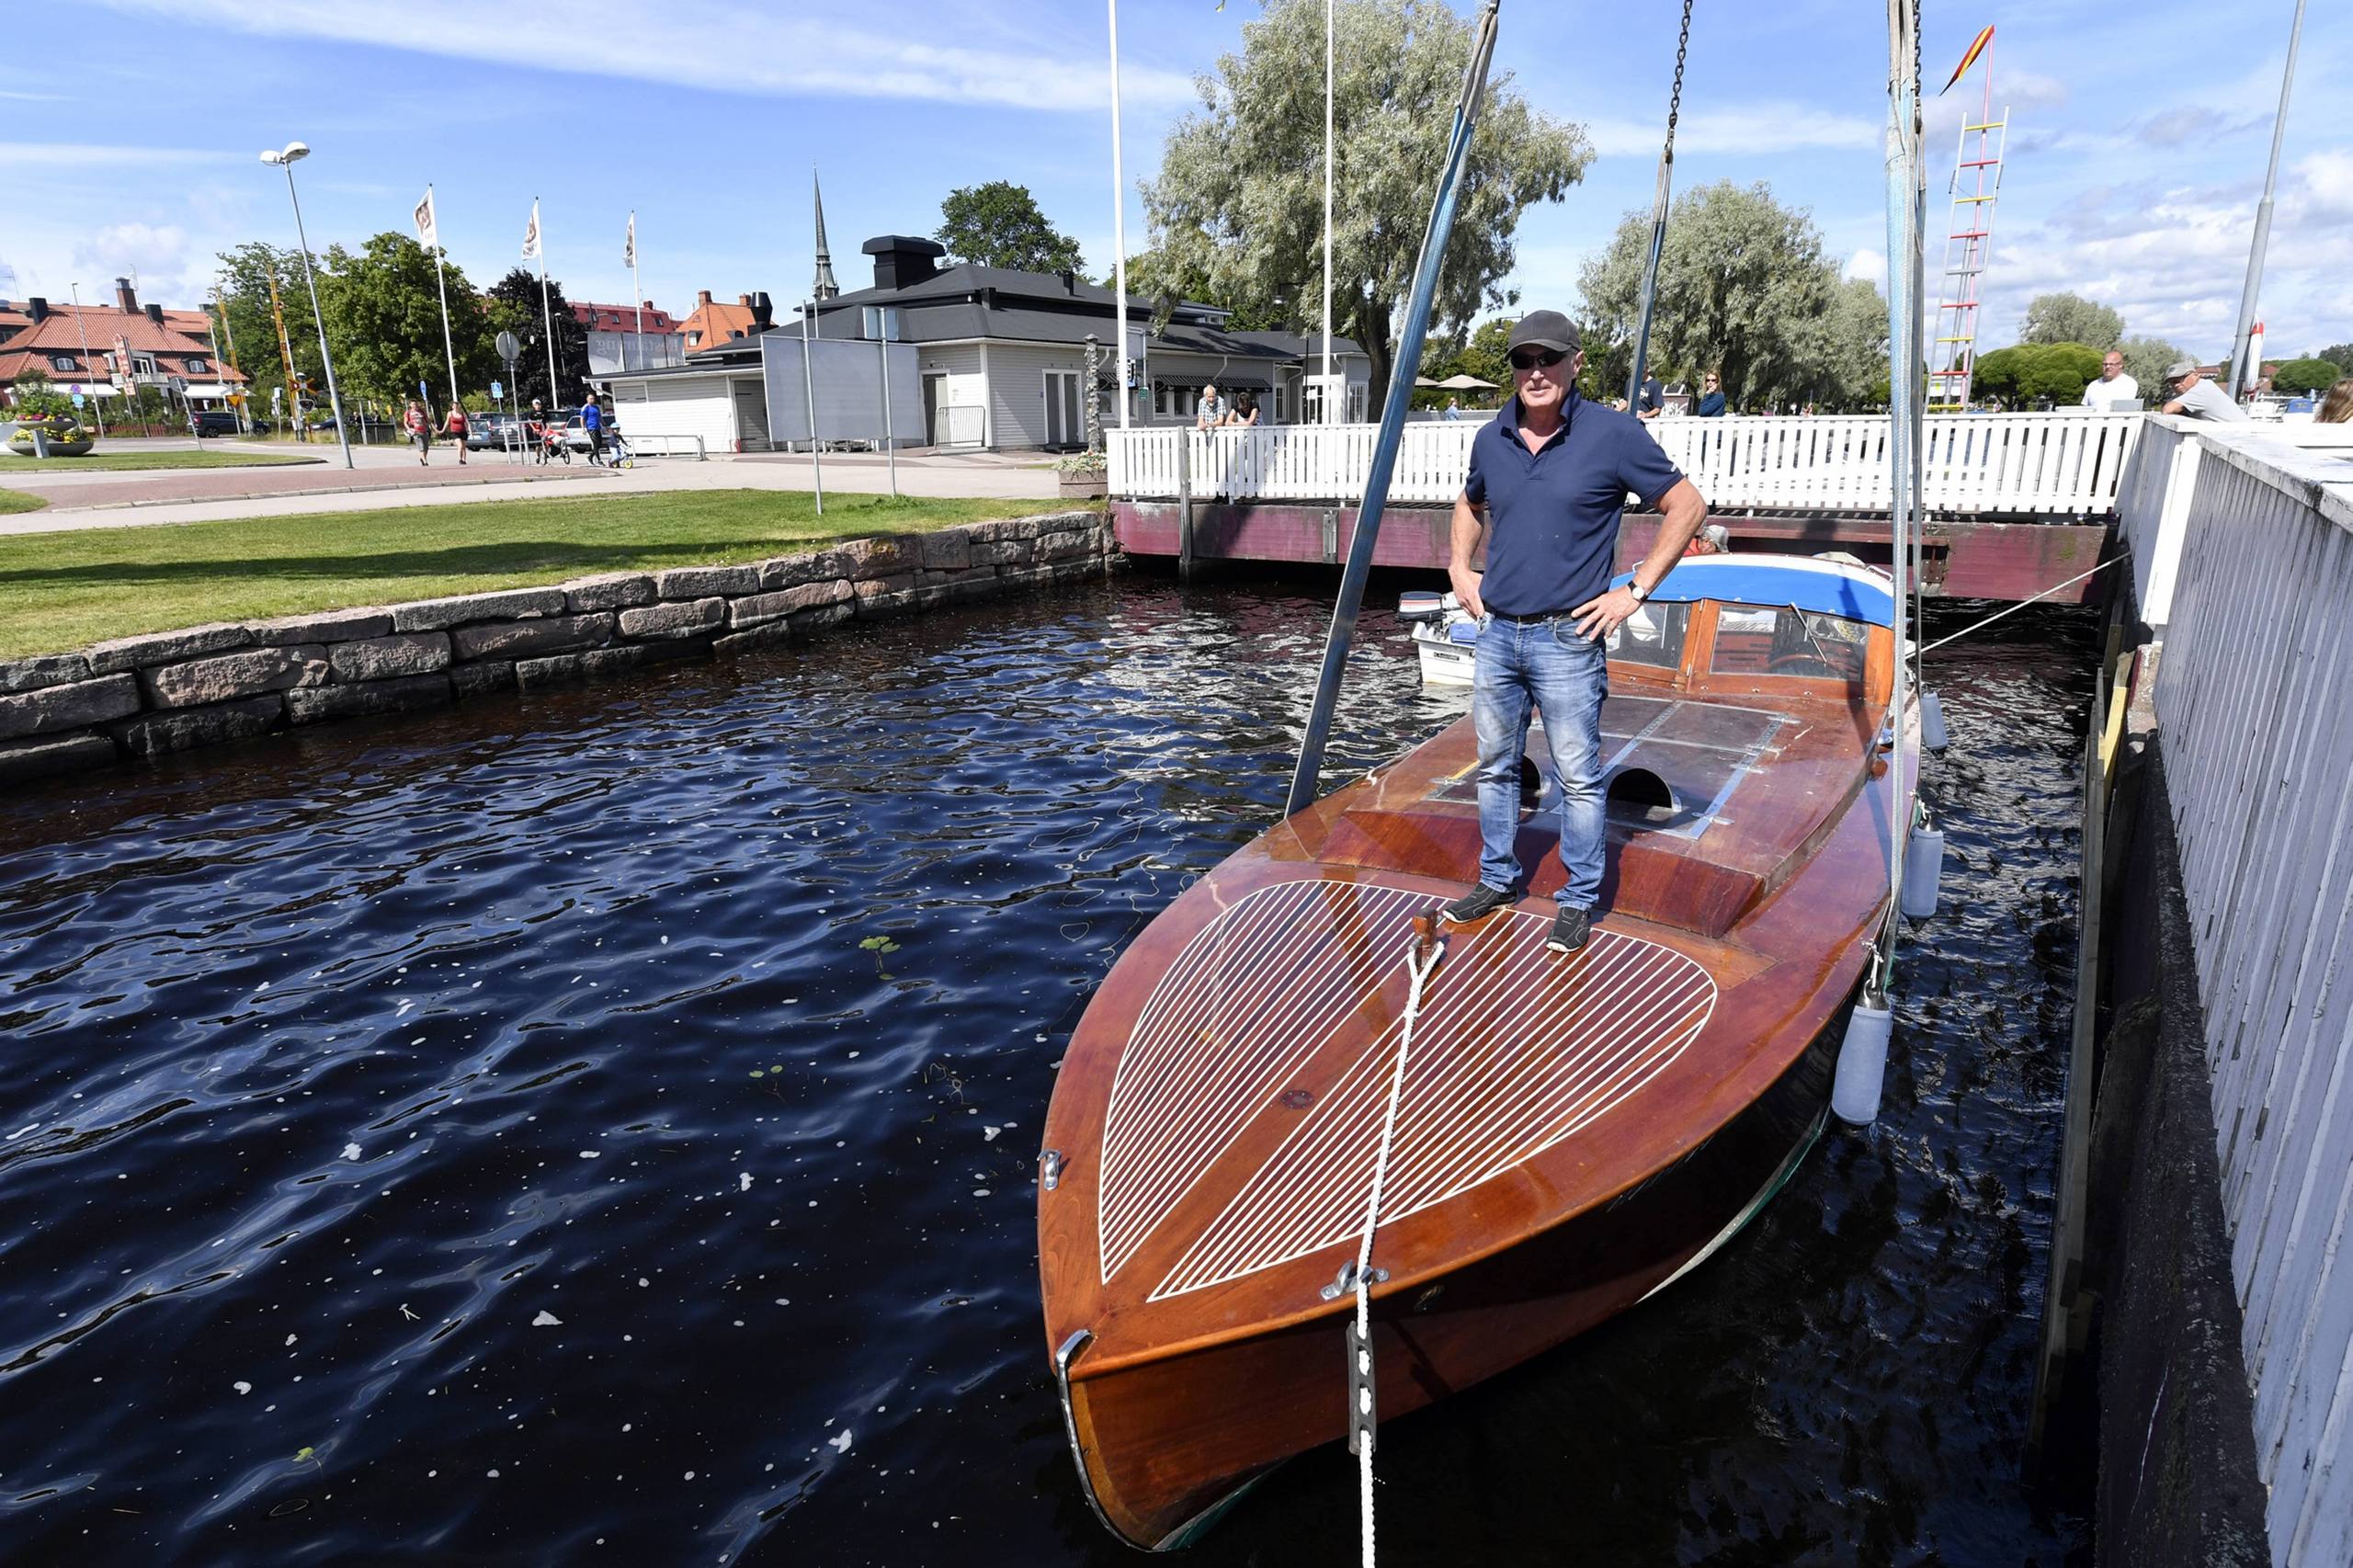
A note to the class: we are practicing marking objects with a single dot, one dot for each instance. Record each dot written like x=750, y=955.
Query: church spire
x=826, y=288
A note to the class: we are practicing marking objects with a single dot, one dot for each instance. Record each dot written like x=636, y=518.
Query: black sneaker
x=1476, y=905
x=1570, y=927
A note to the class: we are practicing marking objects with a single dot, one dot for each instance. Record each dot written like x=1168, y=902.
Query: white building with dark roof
x=999, y=360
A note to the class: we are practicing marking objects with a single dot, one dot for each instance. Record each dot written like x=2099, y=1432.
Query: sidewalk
x=388, y=479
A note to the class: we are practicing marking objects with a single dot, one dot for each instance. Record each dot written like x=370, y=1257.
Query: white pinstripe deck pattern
x=1249, y=999
x=1516, y=1049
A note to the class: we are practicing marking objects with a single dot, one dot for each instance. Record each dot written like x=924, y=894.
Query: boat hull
x=1163, y=1444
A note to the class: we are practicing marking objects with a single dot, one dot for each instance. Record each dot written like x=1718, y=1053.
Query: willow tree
x=1239, y=204
x=1743, y=289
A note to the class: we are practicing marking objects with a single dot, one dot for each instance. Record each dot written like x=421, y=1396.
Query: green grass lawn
x=11, y=465
x=60, y=591
x=17, y=501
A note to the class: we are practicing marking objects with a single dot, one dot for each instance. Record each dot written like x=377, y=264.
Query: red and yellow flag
x=1976, y=48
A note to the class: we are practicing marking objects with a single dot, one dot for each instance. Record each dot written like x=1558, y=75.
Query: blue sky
x=2140, y=132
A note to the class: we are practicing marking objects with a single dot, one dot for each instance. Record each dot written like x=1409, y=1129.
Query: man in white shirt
x=2198, y=398
x=2114, y=390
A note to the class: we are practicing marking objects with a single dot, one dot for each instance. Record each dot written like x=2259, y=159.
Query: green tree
x=2335, y=354
x=1239, y=203
x=2305, y=376
x=998, y=224
x=513, y=305
x=244, y=280
x=2071, y=318
x=383, y=316
x=2032, y=373
x=1155, y=275
x=2146, y=360
x=1743, y=287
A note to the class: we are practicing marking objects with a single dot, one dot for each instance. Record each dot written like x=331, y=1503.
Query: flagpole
x=1119, y=223
x=442, y=283
x=638, y=286
x=1324, y=404
x=547, y=312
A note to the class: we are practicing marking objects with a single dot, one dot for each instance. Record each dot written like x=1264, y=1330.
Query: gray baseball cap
x=2179, y=368
x=1544, y=329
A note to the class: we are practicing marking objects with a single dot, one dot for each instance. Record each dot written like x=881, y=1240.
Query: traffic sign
x=508, y=348
x=497, y=390
x=77, y=400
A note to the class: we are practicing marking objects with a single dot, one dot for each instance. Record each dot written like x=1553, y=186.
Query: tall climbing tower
x=825, y=289
x=1968, y=240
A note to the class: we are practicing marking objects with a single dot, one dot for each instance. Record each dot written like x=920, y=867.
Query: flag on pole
x=629, y=245
x=425, y=225
x=1976, y=48
x=531, y=235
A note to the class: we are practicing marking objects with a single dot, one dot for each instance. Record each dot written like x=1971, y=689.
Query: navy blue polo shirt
x=1553, y=515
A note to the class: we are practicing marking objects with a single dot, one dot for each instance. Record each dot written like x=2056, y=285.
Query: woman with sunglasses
x=1712, y=397
x=1548, y=482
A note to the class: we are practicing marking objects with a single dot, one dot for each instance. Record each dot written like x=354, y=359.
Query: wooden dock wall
x=2255, y=711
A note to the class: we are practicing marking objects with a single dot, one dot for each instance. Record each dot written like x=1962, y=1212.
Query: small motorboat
x=1572, y=1133
x=1446, y=638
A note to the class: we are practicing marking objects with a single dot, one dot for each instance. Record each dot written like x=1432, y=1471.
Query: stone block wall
x=170, y=691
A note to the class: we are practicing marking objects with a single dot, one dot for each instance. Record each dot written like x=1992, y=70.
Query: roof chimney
x=154, y=312
x=702, y=297
x=125, y=297
x=1070, y=281
x=744, y=301
x=901, y=261
x=37, y=308
x=763, y=313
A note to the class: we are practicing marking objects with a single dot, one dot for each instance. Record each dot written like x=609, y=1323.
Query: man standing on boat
x=1550, y=474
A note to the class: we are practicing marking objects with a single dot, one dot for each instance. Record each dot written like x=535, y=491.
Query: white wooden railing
x=2255, y=705
x=2066, y=463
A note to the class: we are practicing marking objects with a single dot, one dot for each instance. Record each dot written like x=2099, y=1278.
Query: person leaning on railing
x=2337, y=406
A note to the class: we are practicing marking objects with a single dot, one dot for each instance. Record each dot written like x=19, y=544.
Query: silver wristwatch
x=1636, y=589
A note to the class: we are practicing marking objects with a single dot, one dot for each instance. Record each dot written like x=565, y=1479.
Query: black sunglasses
x=1528, y=358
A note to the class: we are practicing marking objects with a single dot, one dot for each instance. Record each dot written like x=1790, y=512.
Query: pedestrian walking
x=535, y=431
x=592, y=424
x=419, y=425
x=456, y=430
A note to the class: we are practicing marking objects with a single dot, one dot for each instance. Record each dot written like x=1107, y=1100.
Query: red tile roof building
x=622, y=318
x=714, y=325
x=113, y=347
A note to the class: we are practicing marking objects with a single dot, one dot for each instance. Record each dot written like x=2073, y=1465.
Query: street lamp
x=295, y=151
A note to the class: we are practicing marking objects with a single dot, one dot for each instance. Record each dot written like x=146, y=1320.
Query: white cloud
x=156, y=255
x=1751, y=129
x=31, y=157
x=710, y=45
x=1867, y=263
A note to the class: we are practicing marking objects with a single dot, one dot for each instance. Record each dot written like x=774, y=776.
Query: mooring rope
x=1420, y=959
x=2013, y=609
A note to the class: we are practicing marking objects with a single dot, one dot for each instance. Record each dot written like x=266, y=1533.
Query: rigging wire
x=1649, y=295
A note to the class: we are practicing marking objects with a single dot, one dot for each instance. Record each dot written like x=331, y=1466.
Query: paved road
x=388, y=478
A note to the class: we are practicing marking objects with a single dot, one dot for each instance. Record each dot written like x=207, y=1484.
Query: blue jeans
x=1545, y=662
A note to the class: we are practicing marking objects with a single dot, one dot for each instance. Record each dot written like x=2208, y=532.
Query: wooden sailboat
x=1573, y=1132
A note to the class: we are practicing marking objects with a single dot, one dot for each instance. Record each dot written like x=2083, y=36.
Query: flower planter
x=1084, y=486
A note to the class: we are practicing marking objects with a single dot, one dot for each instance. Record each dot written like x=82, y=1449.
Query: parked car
x=488, y=432
x=216, y=421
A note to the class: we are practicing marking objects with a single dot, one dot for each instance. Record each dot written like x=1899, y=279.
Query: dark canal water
x=597, y=1128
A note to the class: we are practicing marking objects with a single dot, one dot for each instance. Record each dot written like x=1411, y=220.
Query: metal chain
x=1675, y=103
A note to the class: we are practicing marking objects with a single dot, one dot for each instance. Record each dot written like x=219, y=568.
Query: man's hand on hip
x=1597, y=618
x=1465, y=584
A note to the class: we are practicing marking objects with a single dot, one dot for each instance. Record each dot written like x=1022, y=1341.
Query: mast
x=1903, y=186
x=1119, y=222
x=1402, y=370
x=2241, y=371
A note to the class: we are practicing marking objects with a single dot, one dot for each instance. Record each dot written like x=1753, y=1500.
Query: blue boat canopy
x=1752, y=580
